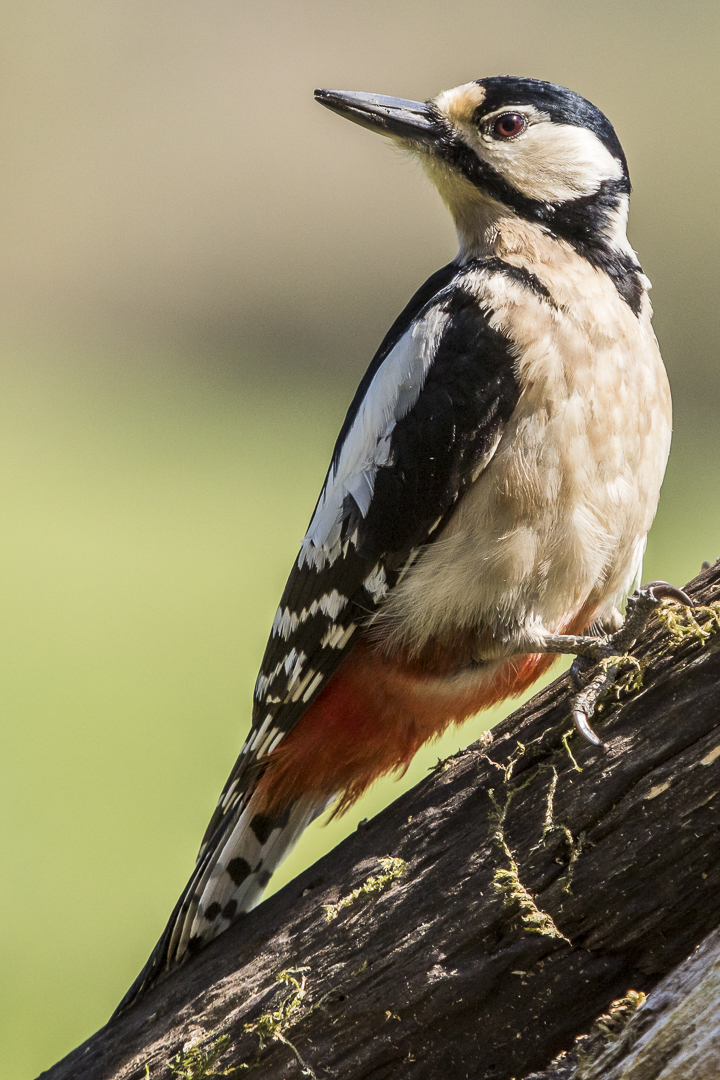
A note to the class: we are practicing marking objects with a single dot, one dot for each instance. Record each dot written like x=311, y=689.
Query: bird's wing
x=425, y=421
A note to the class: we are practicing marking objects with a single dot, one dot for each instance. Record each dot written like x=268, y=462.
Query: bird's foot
x=607, y=655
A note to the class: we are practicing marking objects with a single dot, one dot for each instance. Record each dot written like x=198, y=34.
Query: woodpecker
x=488, y=499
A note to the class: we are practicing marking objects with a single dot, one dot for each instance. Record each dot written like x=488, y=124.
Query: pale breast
x=557, y=521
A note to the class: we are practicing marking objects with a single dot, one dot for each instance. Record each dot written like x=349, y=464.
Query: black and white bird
x=490, y=492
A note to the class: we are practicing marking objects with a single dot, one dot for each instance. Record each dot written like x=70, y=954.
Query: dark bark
x=673, y=1035
x=532, y=896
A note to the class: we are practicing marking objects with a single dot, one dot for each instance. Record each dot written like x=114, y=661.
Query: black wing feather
x=469, y=395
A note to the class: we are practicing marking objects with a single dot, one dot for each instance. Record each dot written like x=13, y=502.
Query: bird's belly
x=553, y=530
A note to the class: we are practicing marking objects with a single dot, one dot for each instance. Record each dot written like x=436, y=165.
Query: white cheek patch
x=551, y=163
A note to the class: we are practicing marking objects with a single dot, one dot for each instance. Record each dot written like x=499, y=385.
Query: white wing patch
x=260, y=742
x=302, y=686
x=293, y=665
x=286, y=622
x=257, y=735
x=376, y=583
x=392, y=393
x=337, y=636
x=264, y=681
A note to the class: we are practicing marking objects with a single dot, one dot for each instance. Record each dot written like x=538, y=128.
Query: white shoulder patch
x=390, y=396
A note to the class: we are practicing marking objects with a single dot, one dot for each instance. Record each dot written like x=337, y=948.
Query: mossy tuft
x=197, y=1062
x=392, y=869
x=684, y=624
x=507, y=880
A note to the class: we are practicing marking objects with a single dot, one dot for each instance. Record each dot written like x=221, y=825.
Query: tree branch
x=673, y=1035
x=484, y=920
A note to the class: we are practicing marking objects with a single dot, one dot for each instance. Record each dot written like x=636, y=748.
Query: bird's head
x=510, y=149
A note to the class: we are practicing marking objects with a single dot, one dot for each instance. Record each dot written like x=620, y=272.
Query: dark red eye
x=509, y=125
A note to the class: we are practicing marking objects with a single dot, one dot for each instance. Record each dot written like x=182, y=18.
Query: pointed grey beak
x=396, y=117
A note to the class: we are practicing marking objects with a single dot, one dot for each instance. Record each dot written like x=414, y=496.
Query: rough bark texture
x=541, y=878
x=673, y=1035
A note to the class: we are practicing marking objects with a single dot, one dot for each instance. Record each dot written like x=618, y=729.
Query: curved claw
x=581, y=723
x=663, y=590
x=578, y=668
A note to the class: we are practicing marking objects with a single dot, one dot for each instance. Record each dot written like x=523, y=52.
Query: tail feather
x=230, y=876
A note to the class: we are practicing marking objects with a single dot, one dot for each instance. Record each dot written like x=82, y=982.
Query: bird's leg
x=590, y=651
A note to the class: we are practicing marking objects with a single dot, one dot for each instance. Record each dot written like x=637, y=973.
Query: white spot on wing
x=346, y=637
x=264, y=681
x=275, y=741
x=286, y=622
x=229, y=794
x=298, y=691
x=318, y=557
x=337, y=636
x=332, y=603
x=255, y=739
x=313, y=686
x=268, y=740
x=294, y=662
x=376, y=583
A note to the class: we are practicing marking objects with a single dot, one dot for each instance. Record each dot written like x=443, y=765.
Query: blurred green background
x=196, y=264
